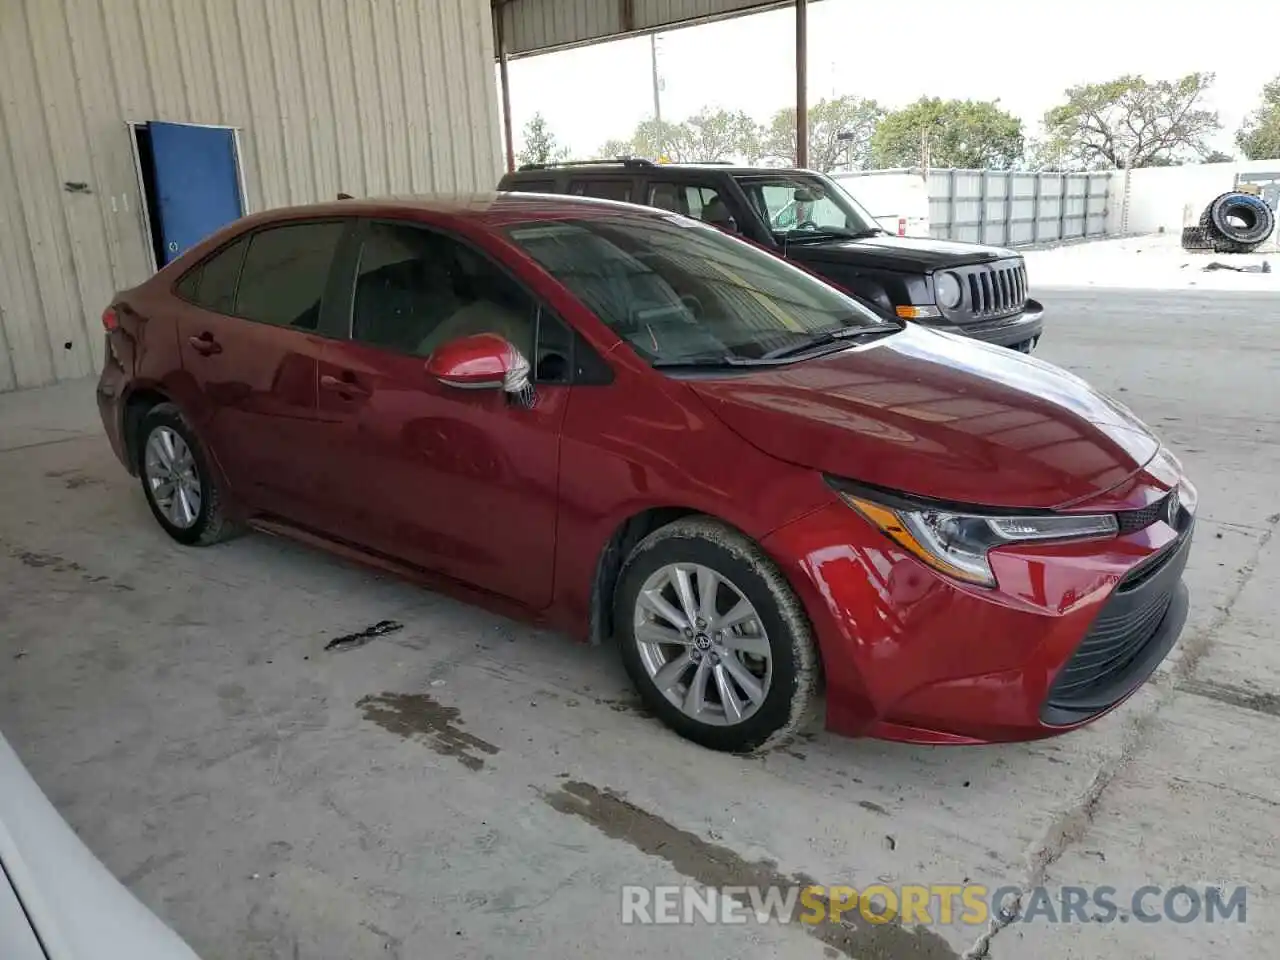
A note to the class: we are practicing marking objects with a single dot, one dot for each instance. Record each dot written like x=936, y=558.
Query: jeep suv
x=966, y=288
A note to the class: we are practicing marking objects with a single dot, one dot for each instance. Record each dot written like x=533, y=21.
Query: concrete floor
x=470, y=787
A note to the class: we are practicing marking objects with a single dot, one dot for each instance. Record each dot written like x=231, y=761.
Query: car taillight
x=109, y=320
x=902, y=226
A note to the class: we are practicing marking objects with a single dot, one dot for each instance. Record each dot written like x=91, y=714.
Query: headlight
x=957, y=543
x=947, y=288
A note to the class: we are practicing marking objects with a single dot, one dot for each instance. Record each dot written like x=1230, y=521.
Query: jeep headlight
x=946, y=287
x=956, y=543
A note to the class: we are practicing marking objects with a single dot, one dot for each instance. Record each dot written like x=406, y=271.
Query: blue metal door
x=196, y=183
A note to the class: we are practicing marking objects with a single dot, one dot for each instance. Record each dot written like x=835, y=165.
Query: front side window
x=799, y=204
x=416, y=289
x=679, y=291
x=285, y=272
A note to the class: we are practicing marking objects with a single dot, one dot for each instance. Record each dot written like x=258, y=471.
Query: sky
x=1023, y=53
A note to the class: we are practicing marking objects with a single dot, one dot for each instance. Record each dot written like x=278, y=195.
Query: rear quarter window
x=532, y=186
x=211, y=284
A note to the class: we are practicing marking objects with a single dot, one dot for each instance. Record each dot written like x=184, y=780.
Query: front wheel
x=714, y=638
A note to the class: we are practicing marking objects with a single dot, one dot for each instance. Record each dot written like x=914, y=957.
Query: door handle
x=204, y=344
x=342, y=386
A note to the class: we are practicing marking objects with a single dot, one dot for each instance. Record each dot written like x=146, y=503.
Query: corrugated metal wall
x=362, y=96
x=533, y=26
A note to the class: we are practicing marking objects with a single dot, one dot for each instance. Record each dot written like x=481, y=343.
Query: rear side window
x=285, y=272
x=212, y=284
x=688, y=199
x=610, y=189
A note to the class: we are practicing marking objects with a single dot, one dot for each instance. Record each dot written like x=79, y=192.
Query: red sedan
x=629, y=425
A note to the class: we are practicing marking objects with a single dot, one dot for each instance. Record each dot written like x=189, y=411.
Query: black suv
x=805, y=216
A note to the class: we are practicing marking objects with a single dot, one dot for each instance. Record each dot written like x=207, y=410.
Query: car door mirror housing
x=481, y=361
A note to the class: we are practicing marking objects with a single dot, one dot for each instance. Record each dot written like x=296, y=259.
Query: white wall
x=364, y=97
x=1170, y=198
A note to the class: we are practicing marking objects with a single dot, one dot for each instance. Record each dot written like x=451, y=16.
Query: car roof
x=646, y=167
x=491, y=210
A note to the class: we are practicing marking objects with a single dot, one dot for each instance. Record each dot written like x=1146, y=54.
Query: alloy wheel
x=702, y=643
x=172, y=478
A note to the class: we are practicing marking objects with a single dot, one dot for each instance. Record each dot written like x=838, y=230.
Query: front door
x=197, y=184
x=461, y=482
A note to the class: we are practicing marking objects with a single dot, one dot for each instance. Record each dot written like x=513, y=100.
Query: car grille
x=1131, y=520
x=1128, y=639
x=989, y=291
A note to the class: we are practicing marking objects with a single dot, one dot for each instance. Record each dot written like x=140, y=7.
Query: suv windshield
x=798, y=203
x=679, y=291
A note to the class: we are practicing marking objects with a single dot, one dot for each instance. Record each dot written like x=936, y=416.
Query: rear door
x=251, y=338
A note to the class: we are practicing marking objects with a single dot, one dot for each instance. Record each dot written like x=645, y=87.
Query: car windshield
x=796, y=204
x=679, y=291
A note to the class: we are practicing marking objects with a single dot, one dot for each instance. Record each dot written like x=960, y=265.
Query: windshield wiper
x=839, y=335
x=704, y=361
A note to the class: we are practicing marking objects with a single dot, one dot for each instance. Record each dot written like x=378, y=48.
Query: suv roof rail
x=624, y=161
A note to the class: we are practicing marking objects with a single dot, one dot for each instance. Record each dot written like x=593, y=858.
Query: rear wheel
x=180, y=488
x=714, y=638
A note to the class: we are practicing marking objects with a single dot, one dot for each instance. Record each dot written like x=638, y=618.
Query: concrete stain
x=416, y=716
x=873, y=807
x=715, y=865
x=1256, y=700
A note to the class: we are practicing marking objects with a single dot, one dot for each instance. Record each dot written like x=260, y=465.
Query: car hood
x=78, y=909
x=939, y=416
x=913, y=254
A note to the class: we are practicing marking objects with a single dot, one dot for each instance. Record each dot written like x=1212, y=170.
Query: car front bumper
x=1071, y=631
x=1021, y=330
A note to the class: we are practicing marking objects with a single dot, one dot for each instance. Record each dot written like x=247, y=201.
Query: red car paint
x=365, y=452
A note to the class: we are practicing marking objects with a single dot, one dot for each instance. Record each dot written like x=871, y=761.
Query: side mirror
x=482, y=361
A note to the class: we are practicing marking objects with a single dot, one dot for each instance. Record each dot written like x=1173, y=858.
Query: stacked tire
x=1234, y=222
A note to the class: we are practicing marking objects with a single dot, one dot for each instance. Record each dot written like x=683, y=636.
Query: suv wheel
x=180, y=487
x=714, y=638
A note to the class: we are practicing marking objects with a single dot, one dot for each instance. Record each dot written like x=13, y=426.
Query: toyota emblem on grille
x=1171, y=509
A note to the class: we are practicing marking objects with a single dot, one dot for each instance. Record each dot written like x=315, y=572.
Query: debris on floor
x=1263, y=267
x=358, y=639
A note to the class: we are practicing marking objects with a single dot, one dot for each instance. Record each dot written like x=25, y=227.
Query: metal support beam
x=500, y=41
x=802, y=77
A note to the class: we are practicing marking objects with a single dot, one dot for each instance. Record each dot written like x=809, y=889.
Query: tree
x=854, y=117
x=662, y=140
x=1131, y=122
x=540, y=144
x=1259, y=135
x=974, y=134
x=721, y=135
x=616, y=148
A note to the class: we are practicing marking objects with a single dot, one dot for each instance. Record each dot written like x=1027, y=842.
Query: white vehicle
x=57, y=900
x=898, y=199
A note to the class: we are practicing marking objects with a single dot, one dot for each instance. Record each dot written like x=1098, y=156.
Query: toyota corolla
x=628, y=425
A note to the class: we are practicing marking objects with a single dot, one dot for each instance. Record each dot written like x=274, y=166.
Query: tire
x=1231, y=246
x=1259, y=219
x=785, y=686
x=209, y=524
x=1196, y=238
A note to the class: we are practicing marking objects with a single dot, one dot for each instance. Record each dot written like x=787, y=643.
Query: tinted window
x=416, y=289
x=285, y=272
x=533, y=186
x=554, y=361
x=691, y=200
x=212, y=284
x=610, y=189
x=677, y=290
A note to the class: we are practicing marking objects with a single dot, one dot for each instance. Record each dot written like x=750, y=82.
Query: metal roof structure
x=523, y=28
